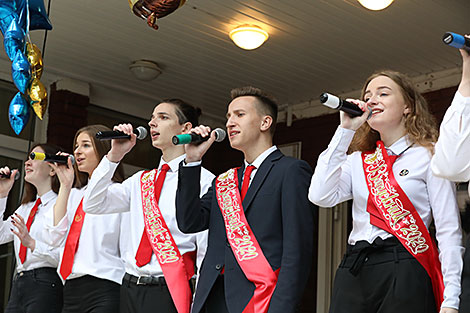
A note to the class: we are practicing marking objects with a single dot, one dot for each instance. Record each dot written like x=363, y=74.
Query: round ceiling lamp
x=248, y=37
x=145, y=70
x=375, y=5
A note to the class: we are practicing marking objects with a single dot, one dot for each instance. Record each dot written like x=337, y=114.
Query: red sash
x=244, y=245
x=392, y=211
x=177, y=269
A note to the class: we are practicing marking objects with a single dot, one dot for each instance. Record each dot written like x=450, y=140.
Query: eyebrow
x=381, y=87
x=235, y=112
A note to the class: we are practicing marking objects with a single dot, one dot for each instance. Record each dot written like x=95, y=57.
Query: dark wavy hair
x=185, y=111
x=420, y=124
x=101, y=148
x=30, y=192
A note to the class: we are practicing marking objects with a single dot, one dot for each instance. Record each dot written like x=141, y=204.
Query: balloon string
x=27, y=17
x=46, y=31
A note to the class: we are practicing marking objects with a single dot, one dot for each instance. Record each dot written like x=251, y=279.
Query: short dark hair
x=185, y=111
x=267, y=103
x=101, y=148
x=30, y=191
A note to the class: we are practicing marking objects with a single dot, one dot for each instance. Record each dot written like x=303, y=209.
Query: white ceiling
x=314, y=46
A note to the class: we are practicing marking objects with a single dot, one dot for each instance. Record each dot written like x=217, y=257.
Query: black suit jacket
x=281, y=218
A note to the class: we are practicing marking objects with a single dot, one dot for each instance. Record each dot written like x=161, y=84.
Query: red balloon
x=151, y=10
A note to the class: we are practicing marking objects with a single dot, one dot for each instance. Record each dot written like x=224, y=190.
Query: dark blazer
x=281, y=218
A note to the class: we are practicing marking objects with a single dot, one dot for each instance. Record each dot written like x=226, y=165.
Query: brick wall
x=67, y=114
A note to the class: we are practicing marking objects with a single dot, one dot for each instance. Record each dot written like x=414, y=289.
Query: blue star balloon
x=7, y=15
x=38, y=18
x=14, y=40
x=18, y=113
x=21, y=72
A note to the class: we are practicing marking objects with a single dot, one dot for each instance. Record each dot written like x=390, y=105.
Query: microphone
x=51, y=157
x=456, y=41
x=140, y=131
x=195, y=138
x=339, y=104
x=17, y=175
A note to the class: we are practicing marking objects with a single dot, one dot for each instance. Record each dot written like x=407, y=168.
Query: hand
x=354, y=123
x=194, y=152
x=120, y=147
x=448, y=310
x=64, y=172
x=22, y=232
x=6, y=183
x=464, y=87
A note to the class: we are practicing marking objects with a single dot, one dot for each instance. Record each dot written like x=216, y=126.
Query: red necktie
x=246, y=180
x=71, y=244
x=32, y=214
x=144, y=252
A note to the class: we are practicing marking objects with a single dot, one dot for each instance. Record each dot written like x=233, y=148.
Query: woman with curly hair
x=392, y=263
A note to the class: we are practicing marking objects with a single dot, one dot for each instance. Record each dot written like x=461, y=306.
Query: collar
x=257, y=162
x=399, y=146
x=48, y=196
x=173, y=164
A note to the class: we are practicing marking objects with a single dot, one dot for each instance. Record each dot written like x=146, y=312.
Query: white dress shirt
x=339, y=177
x=98, y=252
x=452, y=157
x=257, y=162
x=128, y=197
x=45, y=254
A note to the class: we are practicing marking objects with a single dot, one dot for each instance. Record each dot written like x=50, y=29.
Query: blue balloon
x=21, y=72
x=18, y=113
x=38, y=18
x=7, y=15
x=14, y=40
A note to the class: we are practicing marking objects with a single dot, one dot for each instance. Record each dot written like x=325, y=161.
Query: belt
x=145, y=280
x=35, y=271
x=380, y=251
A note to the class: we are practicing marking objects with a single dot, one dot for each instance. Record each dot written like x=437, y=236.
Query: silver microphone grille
x=219, y=134
x=142, y=132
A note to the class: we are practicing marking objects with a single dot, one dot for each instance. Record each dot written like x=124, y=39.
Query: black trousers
x=215, y=302
x=36, y=291
x=153, y=297
x=381, y=278
x=465, y=295
x=89, y=294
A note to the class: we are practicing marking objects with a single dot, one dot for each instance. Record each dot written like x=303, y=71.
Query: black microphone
x=51, y=157
x=195, y=138
x=17, y=175
x=340, y=104
x=140, y=131
x=456, y=41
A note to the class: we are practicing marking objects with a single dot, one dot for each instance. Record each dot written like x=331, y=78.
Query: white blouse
x=98, y=253
x=46, y=252
x=127, y=197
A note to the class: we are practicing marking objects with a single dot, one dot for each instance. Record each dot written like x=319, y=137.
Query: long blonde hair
x=420, y=124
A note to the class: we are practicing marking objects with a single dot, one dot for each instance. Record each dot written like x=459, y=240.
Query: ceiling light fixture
x=145, y=70
x=248, y=37
x=375, y=5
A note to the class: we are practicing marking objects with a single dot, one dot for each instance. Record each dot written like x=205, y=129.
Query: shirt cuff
x=41, y=249
x=3, y=204
x=191, y=164
x=461, y=104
